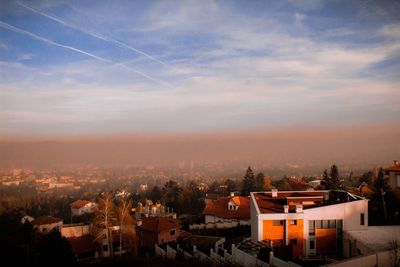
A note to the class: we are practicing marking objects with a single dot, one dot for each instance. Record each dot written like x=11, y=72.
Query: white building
x=46, y=224
x=81, y=207
x=309, y=223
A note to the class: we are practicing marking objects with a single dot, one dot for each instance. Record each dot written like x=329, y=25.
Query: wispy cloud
x=40, y=38
x=92, y=33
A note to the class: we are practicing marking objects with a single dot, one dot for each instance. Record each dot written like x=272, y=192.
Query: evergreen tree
x=230, y=186
x=334, y=178
x=249, y=182
x=172, y=195
x=325, y=179
x=156, y=194
x=382, y=195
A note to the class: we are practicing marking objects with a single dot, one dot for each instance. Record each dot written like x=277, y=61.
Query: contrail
x=93, y=34
x=48, y=41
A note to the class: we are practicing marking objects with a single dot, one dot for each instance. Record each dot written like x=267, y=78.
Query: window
x=318, y=224
x=277, y=222
x=362, y=219
x=312, y=244
x=311, y=227
x=398, y=180
x=105, y=248
x=293, y=222
x=332, y=223
x=172, y=232
x=162, y=240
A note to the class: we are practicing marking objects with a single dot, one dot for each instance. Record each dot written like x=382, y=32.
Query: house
x=394, y=175
x=307, y=223
x=84, y=247
x=232, y=209
x=158, y=230
x=81, y=207
x=46, y=224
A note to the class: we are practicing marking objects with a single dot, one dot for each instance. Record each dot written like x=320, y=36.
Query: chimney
x=286, y=208
x=274, y=192
x=299, y=208
x=396, y=162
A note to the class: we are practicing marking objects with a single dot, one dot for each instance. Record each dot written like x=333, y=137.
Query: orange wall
x=326, y=240
x=296, y=232
x=271, y=231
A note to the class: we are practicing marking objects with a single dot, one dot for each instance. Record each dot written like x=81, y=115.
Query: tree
x=230, y=186
x=249, y=182
x=214, y=187
x=104, y=215
x=155, y=194
x=124, y=217
x=366, y=177
x=325, y=179
x=334, y=177
x=262, y=182
x=381, y=191
x=171, y=195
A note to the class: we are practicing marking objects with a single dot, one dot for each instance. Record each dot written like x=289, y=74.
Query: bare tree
x=104, y=215
x=124, y=218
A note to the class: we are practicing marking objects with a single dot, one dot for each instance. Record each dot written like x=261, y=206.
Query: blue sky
x=83, y=67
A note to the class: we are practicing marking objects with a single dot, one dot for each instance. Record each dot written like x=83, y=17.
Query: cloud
x=104, y=60
x=92, y=33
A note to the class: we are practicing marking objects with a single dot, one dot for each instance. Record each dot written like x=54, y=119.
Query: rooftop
x=158, y=224
x=82, y=244
x=219, y=208
x=79, y=204
x=42, y=220
x=267, y=202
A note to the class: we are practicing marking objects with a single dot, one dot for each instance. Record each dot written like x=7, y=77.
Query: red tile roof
x=395, y=168
x=219, y=208
x=82, y=244
x=159, y=224
x=42, y=220
x=79, y=204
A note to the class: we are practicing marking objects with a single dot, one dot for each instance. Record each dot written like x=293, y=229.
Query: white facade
x=354, y=215
x=88, y=208
x=47, y=228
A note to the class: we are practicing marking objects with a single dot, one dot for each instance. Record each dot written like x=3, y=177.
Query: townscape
x=251, y=221
x=201, y=133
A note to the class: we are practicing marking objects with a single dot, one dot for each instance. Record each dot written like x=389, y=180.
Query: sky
x=106, y=67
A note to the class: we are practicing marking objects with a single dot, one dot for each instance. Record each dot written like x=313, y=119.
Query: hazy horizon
x=311, y=146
